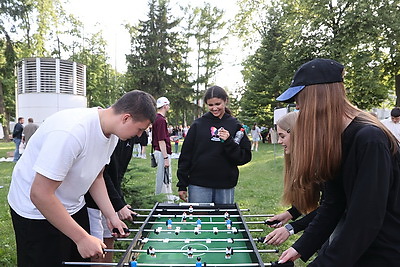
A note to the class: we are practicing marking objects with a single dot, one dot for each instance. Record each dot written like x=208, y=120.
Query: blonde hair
x=287, y=123
x=317, y=148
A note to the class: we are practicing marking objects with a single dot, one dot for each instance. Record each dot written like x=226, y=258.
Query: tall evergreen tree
x=207, y=30
x=152, y=59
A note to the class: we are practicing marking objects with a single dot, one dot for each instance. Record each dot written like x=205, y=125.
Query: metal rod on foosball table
x=193, y=215
x=165, y=240
x=212, y=265
x=165, y=264
x=197, y=251
x=194, y=210
x=258, y=215
x=194, y=222
x=187, y=231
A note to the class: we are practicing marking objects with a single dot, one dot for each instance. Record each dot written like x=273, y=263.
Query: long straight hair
x=317, y=148
x=287, y=123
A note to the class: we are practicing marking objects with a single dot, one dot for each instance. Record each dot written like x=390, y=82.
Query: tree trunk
x=3, y=115
x=397, y=89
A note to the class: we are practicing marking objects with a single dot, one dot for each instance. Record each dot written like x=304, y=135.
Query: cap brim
x=290, y=93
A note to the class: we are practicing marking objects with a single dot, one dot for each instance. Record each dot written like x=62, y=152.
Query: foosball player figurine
x=177, y=230
x=151, y=251
x=198, y=262
x=184, y=215
x=226, y=215
x=228, y=253
x=169, y=223
x=215, y=230
x=157, y=230
x=191, y=212
x=133, y=263
x=228, y=223
x=196, y=230
x=190, y=252
x=235, y=230
x=198, y=222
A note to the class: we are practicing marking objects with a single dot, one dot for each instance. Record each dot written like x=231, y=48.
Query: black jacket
x=17, y=132
x=366, y=193
x=208, y=162
x=114, y=173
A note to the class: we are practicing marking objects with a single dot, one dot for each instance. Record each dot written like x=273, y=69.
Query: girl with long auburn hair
x=356, y=159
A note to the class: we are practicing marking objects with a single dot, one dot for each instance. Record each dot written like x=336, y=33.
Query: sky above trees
x=110, y=18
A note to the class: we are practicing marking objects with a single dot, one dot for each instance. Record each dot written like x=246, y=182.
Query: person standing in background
x=17, y=137
x=211, y=152
x=29, y=130
x=256, y=137
x=144, y=140
x=162, y=149
x=393, y=123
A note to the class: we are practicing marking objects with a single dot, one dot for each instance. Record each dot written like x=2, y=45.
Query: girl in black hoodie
x=207, y=166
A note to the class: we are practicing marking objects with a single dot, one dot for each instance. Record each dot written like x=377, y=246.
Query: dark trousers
x=40, y=244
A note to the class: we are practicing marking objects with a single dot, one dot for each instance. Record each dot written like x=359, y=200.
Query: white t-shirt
x=255, y=134
x=70, y=147
x=393, y=127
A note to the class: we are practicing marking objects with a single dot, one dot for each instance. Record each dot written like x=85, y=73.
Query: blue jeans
x=200, y=194
x=17, y=142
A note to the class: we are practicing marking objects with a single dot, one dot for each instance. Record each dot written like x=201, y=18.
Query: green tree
x=265, y=74
x=11, y=14
x=151, y=63
x=350, y=32
x=103, y=84
x=207, y=30
x=158, y=62
x=357, y=33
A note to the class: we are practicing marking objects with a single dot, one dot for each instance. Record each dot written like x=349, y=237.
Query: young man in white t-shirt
x=65, y=159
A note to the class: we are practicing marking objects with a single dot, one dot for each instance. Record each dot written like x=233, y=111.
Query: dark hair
x=254, y=126
x=217, y=92
x=20, y=118
x=140, y=105
x=30, y=120
x=395, y=112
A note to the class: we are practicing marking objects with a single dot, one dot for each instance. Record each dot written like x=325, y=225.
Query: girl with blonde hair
x=285, y=128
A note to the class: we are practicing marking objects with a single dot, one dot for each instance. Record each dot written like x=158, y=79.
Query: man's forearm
x=163, y=148
x=98, y=191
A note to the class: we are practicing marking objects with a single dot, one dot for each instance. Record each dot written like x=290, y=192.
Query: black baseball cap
x=316, y=71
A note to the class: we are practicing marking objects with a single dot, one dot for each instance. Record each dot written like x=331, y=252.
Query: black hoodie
x=205, y=160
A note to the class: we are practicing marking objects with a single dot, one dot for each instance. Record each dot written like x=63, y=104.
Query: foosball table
x=191, y=234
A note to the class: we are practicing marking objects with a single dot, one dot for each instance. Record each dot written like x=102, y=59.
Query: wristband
x=166, y=157
x=290, y=229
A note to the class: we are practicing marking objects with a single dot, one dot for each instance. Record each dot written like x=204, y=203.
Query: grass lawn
x=259, y=189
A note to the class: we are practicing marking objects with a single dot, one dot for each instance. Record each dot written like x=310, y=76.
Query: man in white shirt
x=65, y=159
x=393, y=123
